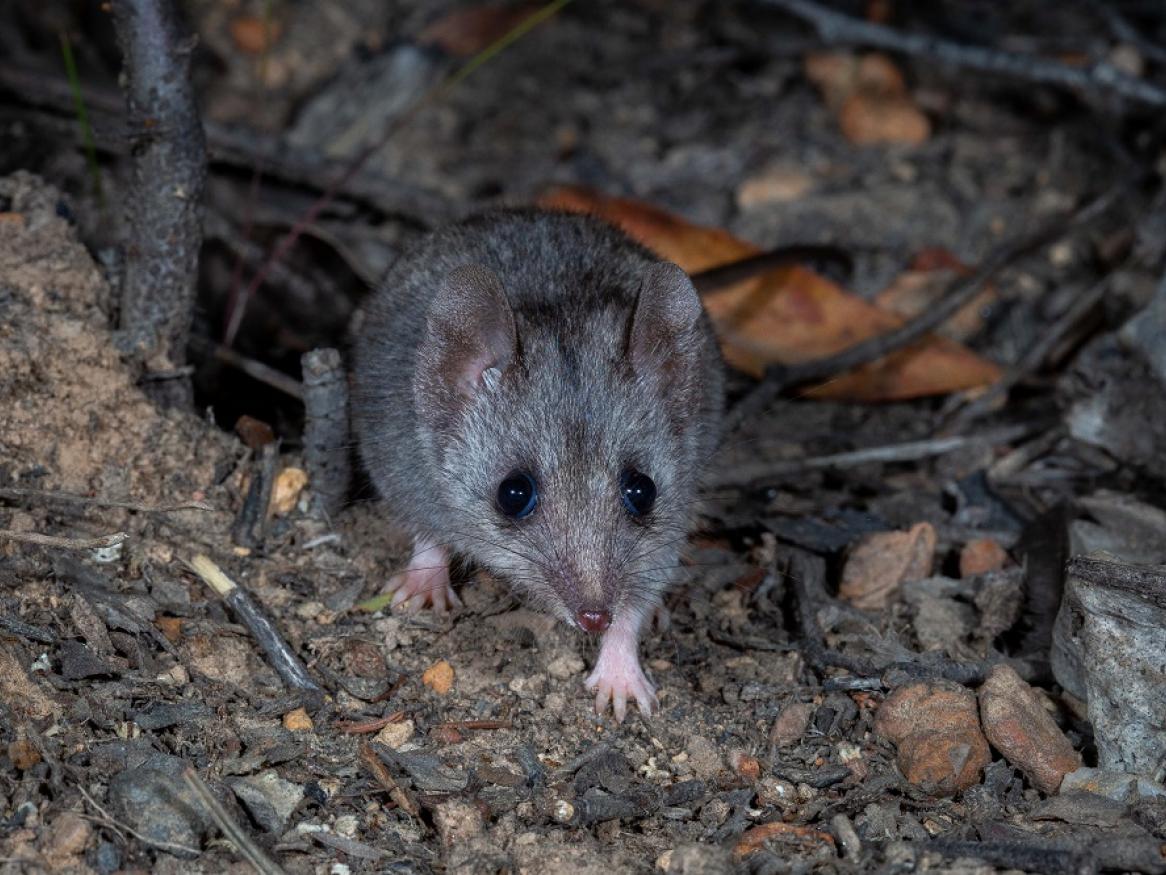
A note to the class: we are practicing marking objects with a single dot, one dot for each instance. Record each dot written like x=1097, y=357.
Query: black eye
x=637, y=491
x=517, y=495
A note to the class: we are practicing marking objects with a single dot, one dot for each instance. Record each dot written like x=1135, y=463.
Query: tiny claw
x=424, y=582
x=618, y=678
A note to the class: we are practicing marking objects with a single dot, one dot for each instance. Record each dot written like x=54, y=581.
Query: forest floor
x=856, y=677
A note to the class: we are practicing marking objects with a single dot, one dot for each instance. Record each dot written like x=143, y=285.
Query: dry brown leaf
x=789, y=315
x=753, y=839
x=920, y=286
x=869, y=97
x=253, y=35
x=882, y=562
x=465, y=32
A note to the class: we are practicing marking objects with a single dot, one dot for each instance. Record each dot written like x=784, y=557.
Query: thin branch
x=1033, y=358
x=834, y=28
x=253, y=368
x=779, y=378
x=281, y=657
x=259, y=861
x=98, y=501
x=101, y=543
x=750, y=473
x=106, y=819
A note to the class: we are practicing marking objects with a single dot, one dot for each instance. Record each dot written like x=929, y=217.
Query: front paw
x=618, y=679
x=424, y=582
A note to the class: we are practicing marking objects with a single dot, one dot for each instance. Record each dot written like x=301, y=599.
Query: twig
x=326, y=440
x=779, y=378
x=231, y=149
x=113, y=823
x=98, y=501
x=383, y=777
x=834, y=27
x=360, y=159
x=1125, y=31
x=363, y=727
x=250, y=527
x=164, y=198
x=1032, y=359
x=259, y=861
x=475, y=724
x=101, y=543
x=256, y=370
x=807, y=573
x=286, y=664
x=748, y=474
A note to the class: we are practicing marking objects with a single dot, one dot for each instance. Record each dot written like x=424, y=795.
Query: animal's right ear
x=469, y=332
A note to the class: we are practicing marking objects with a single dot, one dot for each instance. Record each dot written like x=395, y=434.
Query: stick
x=250, y=526
x=779, y=377
x=254, y=369
x=834, y=27
x=807, y=573
x=385, y=778
x=98, y=501
x=101, y=543
x=286, y=664
x=164, y=199
x=259, y=861
x=1033, y=358
x=748, y=474
x=326, y=438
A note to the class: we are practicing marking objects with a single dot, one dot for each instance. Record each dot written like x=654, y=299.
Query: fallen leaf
x=254, y=35
x=869, y=97
x=465, y=32
x=171, y=627
x=882, y=562
x=23, y=753
x=981, y=556
x=753, y=839
x=438, y=677
x=789, y=315
x=919, y=287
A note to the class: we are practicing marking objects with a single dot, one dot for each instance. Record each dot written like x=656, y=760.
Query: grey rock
x=155, y=801
x=269, y=799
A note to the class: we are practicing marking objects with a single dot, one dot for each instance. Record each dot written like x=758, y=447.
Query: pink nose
x=593, y=621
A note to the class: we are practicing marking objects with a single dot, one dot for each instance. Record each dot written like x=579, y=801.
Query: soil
x=120, y=666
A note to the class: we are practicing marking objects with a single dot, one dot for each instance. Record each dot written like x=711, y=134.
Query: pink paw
x=618, y=678
x=425, y=581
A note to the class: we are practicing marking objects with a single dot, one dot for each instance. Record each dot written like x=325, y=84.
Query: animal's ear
x=468, y=333
x=662, y=337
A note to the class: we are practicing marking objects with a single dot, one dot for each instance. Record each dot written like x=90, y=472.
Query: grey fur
x=569, y=407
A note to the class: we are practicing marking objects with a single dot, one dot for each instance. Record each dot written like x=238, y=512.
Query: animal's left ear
x=663, y=337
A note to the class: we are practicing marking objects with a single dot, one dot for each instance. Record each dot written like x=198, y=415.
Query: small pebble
x=563, y=811
x=394, y=735
x=791, y=724
x=439, y=677
x=297, y=721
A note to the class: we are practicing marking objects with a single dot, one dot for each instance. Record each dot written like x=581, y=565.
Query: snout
x=593, y=621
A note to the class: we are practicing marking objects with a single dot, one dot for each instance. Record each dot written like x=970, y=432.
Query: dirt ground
x=119, y=667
